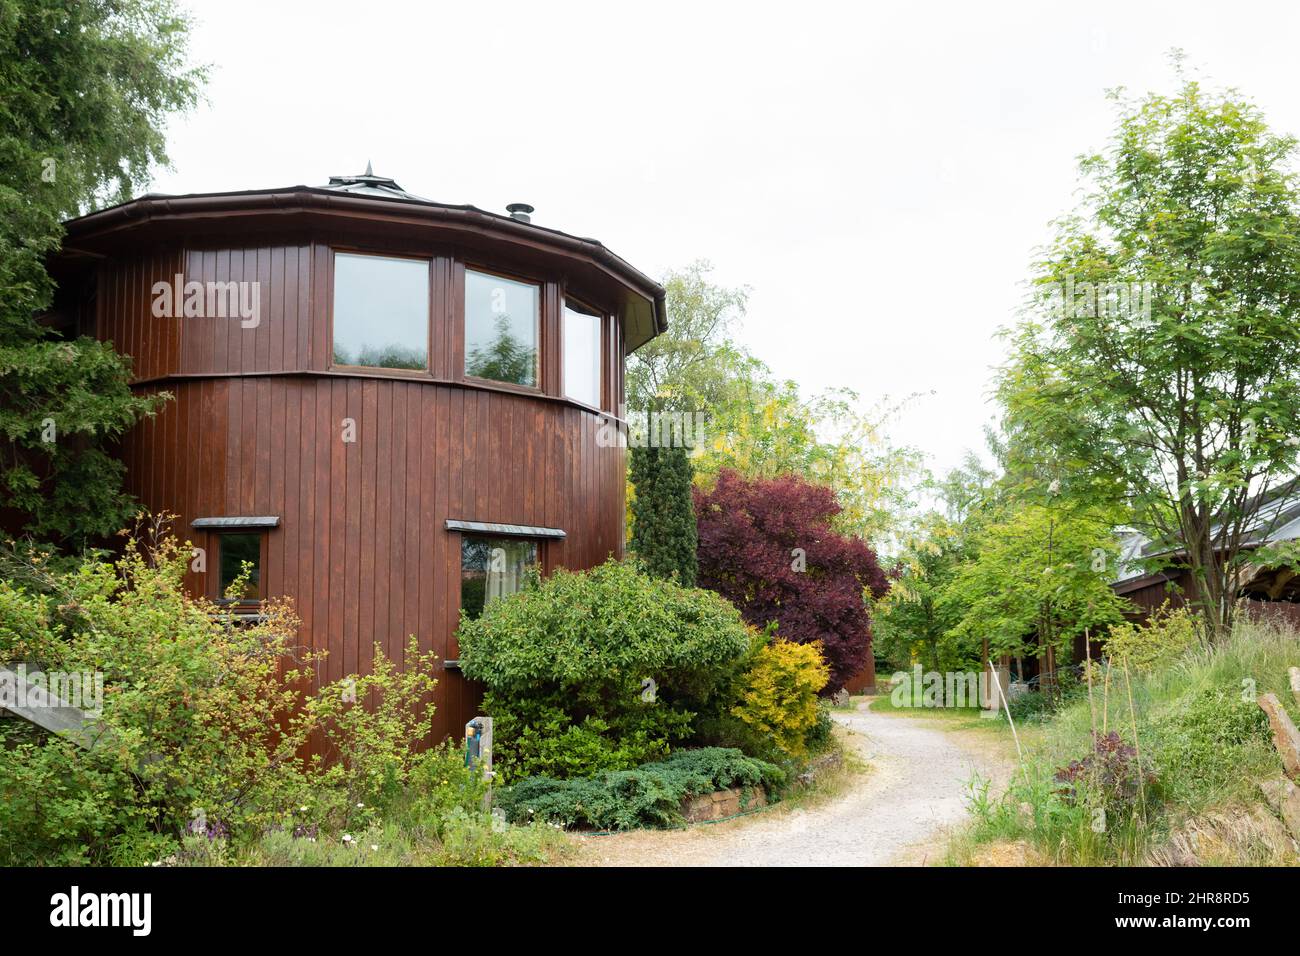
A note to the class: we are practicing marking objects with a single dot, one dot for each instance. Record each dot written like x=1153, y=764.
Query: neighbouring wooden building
x=393, y=407
x=1265, y=589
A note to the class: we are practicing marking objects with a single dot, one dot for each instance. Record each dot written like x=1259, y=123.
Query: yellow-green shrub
x=1166, y=635
x=778, y=696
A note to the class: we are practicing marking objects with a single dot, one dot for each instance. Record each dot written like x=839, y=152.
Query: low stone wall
x=722, y=804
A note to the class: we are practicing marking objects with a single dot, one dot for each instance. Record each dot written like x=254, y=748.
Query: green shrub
x=439, y=782
x=1029, y=706
x=196, y=713
x=650, y=795
x=370, y=751
x=778, y=694
x=205, y=726
x=481, y=839
x=1160, y=640
x=1208, y=735
x=60, y=806
x=567, y=664
x=821, y=735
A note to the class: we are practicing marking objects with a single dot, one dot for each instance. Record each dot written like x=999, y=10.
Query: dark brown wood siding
x=255, y=427
x=362, y=548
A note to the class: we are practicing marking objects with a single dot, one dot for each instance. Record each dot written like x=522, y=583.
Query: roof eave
x=138, y=212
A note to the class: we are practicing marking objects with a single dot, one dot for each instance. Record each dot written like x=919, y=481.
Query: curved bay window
x=501, y=328
x=491, y=568
x=381, y=312
x=582, y=353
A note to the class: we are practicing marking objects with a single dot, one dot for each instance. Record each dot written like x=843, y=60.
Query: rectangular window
x=582, y=353
x=233, y=551
x=381, y=312
x=491, y=568
x=501, y=328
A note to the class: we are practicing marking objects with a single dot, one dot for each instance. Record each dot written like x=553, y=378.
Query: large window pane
x=501, y=328
x=582, y=353
x=491, y=568
x=236, y=549
x=381, y=312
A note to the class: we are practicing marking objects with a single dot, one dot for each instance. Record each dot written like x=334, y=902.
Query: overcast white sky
x=879, y=177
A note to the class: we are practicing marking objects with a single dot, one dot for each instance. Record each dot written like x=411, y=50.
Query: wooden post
x=1087, y=657
x=1285, y=736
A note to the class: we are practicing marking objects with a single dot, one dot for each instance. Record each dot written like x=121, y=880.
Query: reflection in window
x=501, y=328
x=491, y=568
x=581, y=353
x=381, y=312
x=235, y=550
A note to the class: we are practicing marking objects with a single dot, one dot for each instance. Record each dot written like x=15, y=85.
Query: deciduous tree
x=1160, y=362
x=769, y=545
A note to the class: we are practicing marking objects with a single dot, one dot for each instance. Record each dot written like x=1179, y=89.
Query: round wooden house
x=392, y=407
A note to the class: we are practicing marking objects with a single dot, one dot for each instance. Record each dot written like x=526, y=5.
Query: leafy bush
x=60, y=806
x=1030, y=706
x=205, y=724
x=1111, y=775
x=567, y=664
x=778, y=698
x=370, y=752
x=196, y=713
x=650, y=795
x=821, y=735
x=1036, y=706
x=1207, y=734
x=1161, y=639
x=439, y=782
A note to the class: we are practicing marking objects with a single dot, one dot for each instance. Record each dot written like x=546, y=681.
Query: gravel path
x=896, y=815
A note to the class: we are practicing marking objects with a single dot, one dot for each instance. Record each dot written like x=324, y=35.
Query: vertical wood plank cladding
x=456, y=327
x=222, y=334
x=362, y=548
x=451, y=431
x=124, y=309
x=375, y=621
x=244, y=348
x=304, y=312
x=320, y=266
x=306, y=545
x=552, y=379
x=273, y=312
x=334, y=610
x=350, y=591
x=368, y=492
x=410, y=509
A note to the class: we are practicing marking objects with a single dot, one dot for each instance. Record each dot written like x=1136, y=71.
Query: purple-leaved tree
x=768, y=545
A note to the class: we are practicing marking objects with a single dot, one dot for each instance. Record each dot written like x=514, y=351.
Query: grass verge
x=1159, y=767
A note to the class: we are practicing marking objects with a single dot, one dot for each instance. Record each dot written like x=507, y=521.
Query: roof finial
x=369, y=170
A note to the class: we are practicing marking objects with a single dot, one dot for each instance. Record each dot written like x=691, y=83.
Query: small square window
x=234, y=551
x=491, y=568
x=381, y=312
x=501, y=328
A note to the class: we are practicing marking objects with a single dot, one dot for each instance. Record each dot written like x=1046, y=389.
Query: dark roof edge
x=149, y=207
